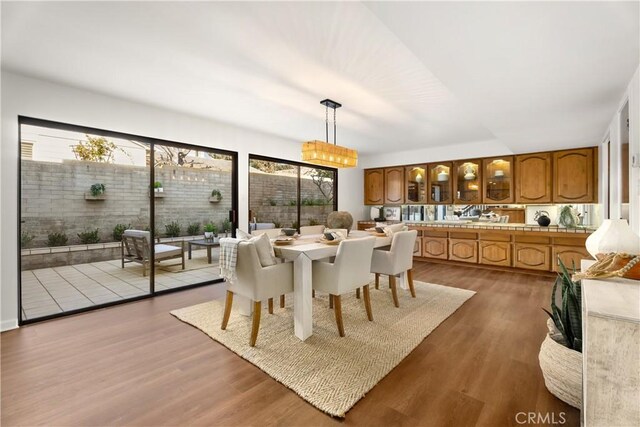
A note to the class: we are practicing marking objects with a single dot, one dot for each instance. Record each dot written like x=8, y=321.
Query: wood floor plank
x=137, y=365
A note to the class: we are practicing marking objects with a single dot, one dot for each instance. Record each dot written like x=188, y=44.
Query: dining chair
x=349, y=271
x=311, y=229
x=257, y=283
x=396, y=260
x=271, y=232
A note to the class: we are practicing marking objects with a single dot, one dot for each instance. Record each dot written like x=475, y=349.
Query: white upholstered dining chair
x=257, y=283
x=396, y=260
x=349, y=271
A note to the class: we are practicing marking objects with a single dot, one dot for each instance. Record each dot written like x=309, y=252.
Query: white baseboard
x=7, y=325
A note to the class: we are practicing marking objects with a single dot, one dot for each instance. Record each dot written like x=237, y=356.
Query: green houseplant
x=89, y=236
x=210, y=230
x=157, y=187
x=193, y=229
x=216, y=196
x=561, y=351
x=97, y=189
x=172, y=229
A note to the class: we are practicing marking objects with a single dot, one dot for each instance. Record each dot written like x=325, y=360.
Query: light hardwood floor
x=136, y=364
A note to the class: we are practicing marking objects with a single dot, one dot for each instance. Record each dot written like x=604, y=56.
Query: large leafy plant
x=568, y=318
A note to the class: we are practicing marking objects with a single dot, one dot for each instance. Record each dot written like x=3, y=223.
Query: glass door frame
x=25, y=120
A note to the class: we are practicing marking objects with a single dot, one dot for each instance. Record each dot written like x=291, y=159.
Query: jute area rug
x=330, y=372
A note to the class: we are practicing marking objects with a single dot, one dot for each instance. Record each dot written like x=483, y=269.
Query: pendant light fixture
x=324, y=153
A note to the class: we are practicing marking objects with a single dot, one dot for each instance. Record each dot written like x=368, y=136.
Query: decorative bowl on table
x=289, y=231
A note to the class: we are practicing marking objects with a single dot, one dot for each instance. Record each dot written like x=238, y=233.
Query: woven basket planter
x=562, y=371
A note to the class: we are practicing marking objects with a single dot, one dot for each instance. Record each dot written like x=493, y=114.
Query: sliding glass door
x=283, y=193
x=107, y=217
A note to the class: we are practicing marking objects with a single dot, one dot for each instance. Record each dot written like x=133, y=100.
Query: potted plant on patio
x=210, y=231
x=157, y=187
x=226, y=226
x=561, y=351
x=216, y=196
x=97, y=190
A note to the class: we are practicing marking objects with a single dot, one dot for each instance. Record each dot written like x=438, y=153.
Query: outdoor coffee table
x=206, y=243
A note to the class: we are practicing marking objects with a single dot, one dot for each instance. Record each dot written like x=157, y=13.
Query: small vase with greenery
x=97, y=190
x=157, y=187
x=216, y=196
x=210, y=231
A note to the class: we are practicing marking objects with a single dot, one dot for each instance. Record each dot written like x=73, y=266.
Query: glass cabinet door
x=416, y=184
x=498, y=180
x=467, y=182
x=440, y=182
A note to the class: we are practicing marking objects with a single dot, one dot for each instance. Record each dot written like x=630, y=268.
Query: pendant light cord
x=334, y=127
x=326, y=123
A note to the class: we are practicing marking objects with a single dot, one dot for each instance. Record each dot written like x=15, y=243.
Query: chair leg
x=338, y=312
x=377, y=280
x=313, y=293
x=255, y=325
x=183, y=259
x=358, y=293
x=270, y=305
x=394, y=291
x=227, y=310
x=367, y=302
x=410, y=280
x=281, y=301
x=144, y=269
x=330, y=301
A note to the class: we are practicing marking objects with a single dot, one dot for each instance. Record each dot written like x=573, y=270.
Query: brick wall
x=53, y=198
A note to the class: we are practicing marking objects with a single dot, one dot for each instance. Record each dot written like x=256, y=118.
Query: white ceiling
x=410, y=75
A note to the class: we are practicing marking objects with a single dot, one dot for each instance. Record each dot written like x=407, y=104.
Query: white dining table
x=303, y=254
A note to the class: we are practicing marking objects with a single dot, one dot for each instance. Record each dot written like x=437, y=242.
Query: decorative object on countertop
x=340, y=219
x=560, y=354
x=289, y=232
x=542, y=218
x=392, y=214
x=568, y=217
x=614, y=235
x=613, y=265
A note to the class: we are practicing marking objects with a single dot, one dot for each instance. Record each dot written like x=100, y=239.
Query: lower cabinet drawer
x=463, y=250
x=495, y=253
x=532, y=256
x=570, y=256
x=434, y=247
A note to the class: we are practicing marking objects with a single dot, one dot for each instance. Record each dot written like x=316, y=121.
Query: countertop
x=492, y=226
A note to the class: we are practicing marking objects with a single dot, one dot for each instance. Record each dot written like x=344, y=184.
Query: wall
x=41, y=99
x=614, y=134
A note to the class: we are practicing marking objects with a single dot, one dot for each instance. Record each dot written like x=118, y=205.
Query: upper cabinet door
x=533, y=178
x=416, y=184
x=498, y=180
x=374, y=187
x=573, y=172
x=467, y=182
x=394, y=185
x=440, y=183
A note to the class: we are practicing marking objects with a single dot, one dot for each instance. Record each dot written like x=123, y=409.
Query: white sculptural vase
x=614, y=235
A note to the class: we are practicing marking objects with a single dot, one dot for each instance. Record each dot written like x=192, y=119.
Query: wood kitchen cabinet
x=533, y=178
x=573, y=176
x=374, y=186
x=416, y=184
x=394, y=185
x=439, y=175
x=463, y=250
x=497, y=180
x=570, y=256
x=532, y=256
x=495, y=253
x=435, y=247
x=467, y=182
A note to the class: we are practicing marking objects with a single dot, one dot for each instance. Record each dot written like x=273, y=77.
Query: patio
x=47, y=291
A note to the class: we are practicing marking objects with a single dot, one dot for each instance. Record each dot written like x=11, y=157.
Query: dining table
x=302, y=251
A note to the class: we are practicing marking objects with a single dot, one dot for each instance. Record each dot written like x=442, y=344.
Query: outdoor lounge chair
x=136, y=247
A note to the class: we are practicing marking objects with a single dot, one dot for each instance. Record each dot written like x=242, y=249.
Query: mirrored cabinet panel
x=440, y=183
x=498, y=180
x=467, y=182
x=416, y=185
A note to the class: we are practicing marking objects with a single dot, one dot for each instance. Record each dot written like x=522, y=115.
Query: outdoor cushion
x=139, y=233
x=163, y=251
